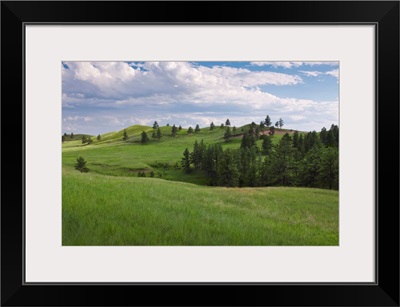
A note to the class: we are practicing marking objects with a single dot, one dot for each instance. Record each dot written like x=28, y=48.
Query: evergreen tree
x=174, y=130
x=180, y=128
x=89, y=140
x=283, y=160
x=227, y=172
x=159, y=134
x=212, y=126
x=185, y=163
x=234, y=129
x=262, y=125
x=248, y=140
x=281, y=123
x=267, y=145
x=190, y=130
x=81, y=165
x=222, y=126
x=268, y=121
x=329, y=171
x=155, y=125
x=227, y=123
x=296, y=140
x=72, y=136
x=99, y=137
x=125, y=136
x=63, y=138
x=144, y=138
x=152, y=174
x=154, y=135
x=197, y=129
x=310, y=168
x=277, y=124
x=84, y=139
x=323, y=136
x=228, y=134
x=167, y=124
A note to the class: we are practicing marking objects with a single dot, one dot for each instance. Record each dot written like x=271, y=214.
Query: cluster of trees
x=67, y=137
x=86, y=140
x=308, y=160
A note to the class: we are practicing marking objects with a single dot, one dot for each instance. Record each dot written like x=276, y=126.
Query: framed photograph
x=170, y=159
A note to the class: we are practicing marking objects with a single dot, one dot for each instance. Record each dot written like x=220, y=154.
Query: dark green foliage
x=89, y=140
x=125, y=136
x=329, y=172
x=141, y=174
x=81, y=165
x=72, y=136
x=227, y=172
x=99, y=137
x=277, y=124
x=84, y=139
x=228, y=134
x=212, y=126
x=266, y=145
x=174, y=130
x=190, y=130
x=168, y=125
x=234, y=129
x=154, y=135
x=268, y=121
x=63, y=138
x=152, y=174
x=227, y=123
x=281, y=123
x=262, y=125
x=155, y=125
x=197, y=129
x=248, y=140
x=180, y=128
x=185, y=163
x=222, y=126
x=144, y=138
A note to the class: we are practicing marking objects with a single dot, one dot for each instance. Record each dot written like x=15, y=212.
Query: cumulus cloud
x=107, y=96
x=294, y=64
x=333, y=73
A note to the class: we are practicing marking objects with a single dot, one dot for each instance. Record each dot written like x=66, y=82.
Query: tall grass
x=109, y=210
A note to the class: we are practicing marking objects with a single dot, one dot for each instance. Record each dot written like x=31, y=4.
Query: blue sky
x=100, y=97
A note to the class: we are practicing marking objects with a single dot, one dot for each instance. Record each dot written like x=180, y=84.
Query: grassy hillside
x=110, y=205
x=107, y=210
x=113, y=156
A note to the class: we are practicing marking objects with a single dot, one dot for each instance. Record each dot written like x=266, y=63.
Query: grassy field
x=110, y=205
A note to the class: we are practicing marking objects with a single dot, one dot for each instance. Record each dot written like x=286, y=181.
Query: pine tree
x=144, y=138
x=125, y=136
x=72, y=136
x=281, y=123
x=227, y=123
x=99, y=137
x=228, y=134
x=180, y=128
x=268, y=121
x=197, y=129
x=212, y=126
x=267, y=145
x=154, y=135
x=190, y=130
x=63, y=138
x=81, y=165
x=84, y=139
x=234, y=129
x=185, y=163
x=277, y=124
x=222, y=126
x=155, y=125
x=89, y=140
x=174, y=130
x=227, y=172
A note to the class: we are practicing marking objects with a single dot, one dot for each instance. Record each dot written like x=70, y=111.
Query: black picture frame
x=383, y=14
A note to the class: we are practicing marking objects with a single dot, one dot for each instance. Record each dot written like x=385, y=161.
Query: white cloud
x=294, y=64
x=334, y=73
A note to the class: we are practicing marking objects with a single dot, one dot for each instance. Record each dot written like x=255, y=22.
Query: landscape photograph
x=198, y=153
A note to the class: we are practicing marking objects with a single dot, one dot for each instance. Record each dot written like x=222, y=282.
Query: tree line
x=302, y=159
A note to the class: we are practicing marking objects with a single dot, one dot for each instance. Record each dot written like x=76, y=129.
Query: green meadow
x=111, y=205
